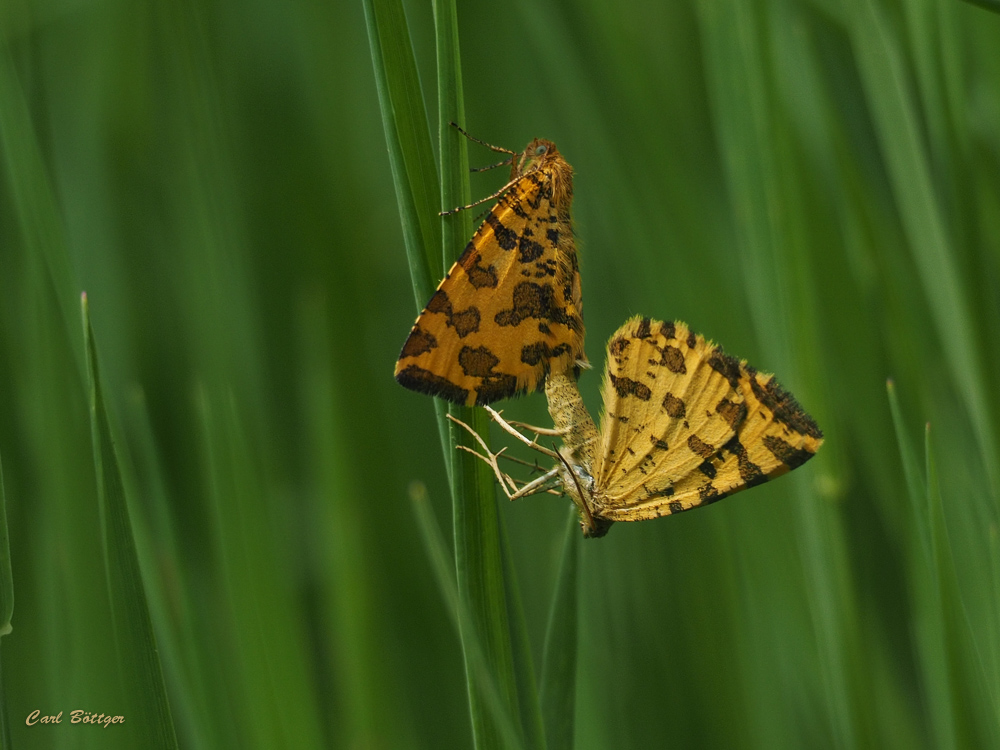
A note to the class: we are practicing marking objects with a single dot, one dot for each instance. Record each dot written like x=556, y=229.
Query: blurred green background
x=814, y=185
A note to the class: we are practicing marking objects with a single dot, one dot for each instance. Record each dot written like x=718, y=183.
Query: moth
x=684, y=425
x=509, y=310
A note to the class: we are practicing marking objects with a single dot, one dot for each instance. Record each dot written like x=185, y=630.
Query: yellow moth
x=684, y=425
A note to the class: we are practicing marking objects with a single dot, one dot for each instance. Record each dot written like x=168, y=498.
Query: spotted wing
x=668, y=409
x=509, y=308
x=769, y=434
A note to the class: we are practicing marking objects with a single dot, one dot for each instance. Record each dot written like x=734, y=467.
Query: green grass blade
x=6, y=607
x=558, y=688
x=954, y=685
x=485, y=579
x=529, y=703
x=765, y=179
x=408, y=139
x=990, y=5
x=478, y=668
x=374, y=715
x=974, y=719
x=414, y=174
x=271, y=663
x=150, y=724
x=927, y=625
x=6, y=573
x=38, y=215
x=898, y=126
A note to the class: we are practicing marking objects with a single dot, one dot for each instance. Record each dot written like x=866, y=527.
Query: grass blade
x=974, y=722
x=6, y=574
x=151, y=724
x=408, y=139
x=558, y=689
x=898, y=126
x=954, y=687
x=404, y=118
x=478, y=668
x=40, y=223
x=990, y=5
x=485, y=582
x=6, y=606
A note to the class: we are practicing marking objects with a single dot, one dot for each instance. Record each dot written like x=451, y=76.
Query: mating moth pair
x=684, y=424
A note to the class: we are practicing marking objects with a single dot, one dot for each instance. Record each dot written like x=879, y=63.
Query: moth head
x=537, y=153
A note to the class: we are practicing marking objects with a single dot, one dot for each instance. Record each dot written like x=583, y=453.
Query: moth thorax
x=571, y=418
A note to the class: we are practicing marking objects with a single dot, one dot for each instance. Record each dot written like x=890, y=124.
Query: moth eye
x=539, y=150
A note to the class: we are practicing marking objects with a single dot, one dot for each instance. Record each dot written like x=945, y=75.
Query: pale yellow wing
x=671, y=401
x=509, y=309
x=773, y=435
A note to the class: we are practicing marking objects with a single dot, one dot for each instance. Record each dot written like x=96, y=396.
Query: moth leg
x=547, y=431
x=506, y=483
x=533, y=465
x=497, y=194
x=505, y=425
x=503, y=163
x=537, y=486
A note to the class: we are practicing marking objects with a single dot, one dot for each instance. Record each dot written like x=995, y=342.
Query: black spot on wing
x=672, y=358
x=496, y=387
x=418, y=342
x=728, y=367
x=733, y=413
x=478, y=276
x=506, y=238
x=532, y=300
x=660, y=444
x=477, y=362
x=700, y=447
x=708, y=494
x=788, y=455
x=423, y=381
x=673, y=406
x=617, y=346
x=528, y=249
x=628, y=387
x=786, y=409
x=750, y=473
x=532, y=354
x=464, y=322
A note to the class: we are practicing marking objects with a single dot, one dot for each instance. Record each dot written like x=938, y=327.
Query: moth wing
x=671, y=401
x=508, y=309
x=773, y=436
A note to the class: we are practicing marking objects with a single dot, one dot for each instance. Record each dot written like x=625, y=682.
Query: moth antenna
x=583, y=500
x=490, y=146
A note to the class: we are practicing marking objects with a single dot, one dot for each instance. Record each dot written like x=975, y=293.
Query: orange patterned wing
x=509, y=309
